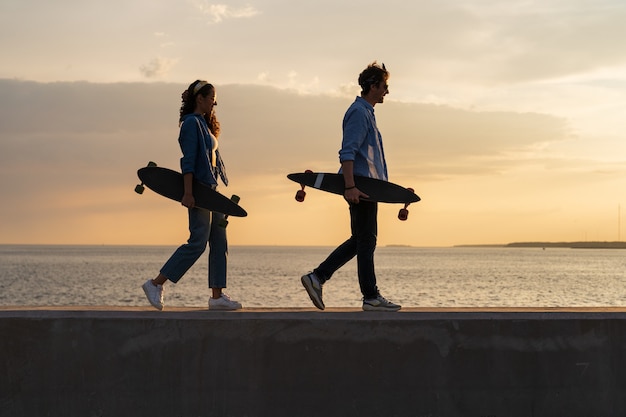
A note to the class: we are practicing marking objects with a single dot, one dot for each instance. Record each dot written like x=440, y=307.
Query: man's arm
x=351, y=193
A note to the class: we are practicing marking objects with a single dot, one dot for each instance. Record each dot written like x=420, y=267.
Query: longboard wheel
x=139, y=189
x=224, y=222
x=300, y=196
x=403, y=214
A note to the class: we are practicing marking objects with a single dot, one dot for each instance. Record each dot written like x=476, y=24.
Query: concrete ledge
x=189, y=362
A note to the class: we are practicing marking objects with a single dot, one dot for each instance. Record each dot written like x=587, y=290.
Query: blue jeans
x=203, y=227
x=362, y=244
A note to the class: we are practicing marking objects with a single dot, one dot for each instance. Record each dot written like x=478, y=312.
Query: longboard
x=377, y=190
x=169, y=183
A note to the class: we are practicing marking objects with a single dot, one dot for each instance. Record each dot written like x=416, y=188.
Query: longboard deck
x=169, y=183
x=378, y=190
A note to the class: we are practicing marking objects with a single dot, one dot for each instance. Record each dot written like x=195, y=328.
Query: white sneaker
x=313, y=287
x=154, y=294
x=224, y=303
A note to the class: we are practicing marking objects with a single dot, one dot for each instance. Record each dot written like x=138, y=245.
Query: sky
x=506, y=117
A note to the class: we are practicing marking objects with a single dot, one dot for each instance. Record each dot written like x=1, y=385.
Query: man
x=361, y=154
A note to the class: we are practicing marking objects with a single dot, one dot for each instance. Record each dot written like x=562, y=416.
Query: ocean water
x=267, y=276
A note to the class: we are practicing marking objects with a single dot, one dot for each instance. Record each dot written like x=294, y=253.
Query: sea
x=269, y=276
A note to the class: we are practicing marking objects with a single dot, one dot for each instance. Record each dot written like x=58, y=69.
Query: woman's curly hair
x=189, y=104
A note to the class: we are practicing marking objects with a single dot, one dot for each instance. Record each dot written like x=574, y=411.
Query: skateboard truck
x=301, y=194
x=139, y=188
x=224, y=222
x=404, y=213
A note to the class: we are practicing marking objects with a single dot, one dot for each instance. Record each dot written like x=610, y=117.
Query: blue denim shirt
x=362, y=141
x=196, y=143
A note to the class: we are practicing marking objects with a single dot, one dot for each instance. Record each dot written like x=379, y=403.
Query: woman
x=201, y=160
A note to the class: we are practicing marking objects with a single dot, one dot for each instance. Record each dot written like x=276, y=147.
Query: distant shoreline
x=570, y=245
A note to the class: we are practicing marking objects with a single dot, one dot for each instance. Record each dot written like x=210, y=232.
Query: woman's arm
x=188, y=200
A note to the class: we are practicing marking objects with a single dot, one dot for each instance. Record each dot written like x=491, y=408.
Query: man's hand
x=351, y=193
x=354, y=195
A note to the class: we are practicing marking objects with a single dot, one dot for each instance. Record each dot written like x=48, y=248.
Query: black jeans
x=362, y=244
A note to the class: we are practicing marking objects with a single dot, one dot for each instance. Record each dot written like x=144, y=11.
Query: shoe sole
x=369, y=307
x=224, y=308
x=307, y=283
x=157, y=306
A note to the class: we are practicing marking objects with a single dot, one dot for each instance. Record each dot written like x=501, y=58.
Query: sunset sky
x=506, y=117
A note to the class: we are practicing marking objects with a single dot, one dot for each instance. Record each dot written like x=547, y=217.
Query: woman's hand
x=188, y=201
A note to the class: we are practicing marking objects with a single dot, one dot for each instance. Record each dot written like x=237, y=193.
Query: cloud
x=71, y=151
x=265, y=127
x=159, y=67
x=220, y=12
x=263, y=77
x=531, y=41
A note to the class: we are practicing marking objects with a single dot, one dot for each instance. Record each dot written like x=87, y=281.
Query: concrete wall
x=192, y=363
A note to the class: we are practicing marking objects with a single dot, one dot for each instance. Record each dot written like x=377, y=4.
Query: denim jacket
x=196, y=142
x=362, y=141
